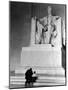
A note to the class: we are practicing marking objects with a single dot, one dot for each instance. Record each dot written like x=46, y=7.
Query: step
x=39, y=81
x=40, y=70
x=21, y=78
x=35, y=85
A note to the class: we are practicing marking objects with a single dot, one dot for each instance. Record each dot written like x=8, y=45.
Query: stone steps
x=46, y=76
x=43, y=80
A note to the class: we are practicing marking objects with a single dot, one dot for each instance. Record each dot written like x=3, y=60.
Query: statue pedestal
x=41, y=55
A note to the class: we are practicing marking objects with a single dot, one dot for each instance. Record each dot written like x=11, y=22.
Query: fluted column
x=33, y=28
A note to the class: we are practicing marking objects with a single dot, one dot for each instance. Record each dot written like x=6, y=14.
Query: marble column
x=33, y=29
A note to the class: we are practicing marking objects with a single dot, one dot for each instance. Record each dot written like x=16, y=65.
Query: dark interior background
x=20, y=26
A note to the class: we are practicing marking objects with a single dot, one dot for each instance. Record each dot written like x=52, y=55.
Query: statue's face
x=49, y=10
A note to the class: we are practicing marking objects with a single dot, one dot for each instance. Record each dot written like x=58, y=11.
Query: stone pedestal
x=41, y=55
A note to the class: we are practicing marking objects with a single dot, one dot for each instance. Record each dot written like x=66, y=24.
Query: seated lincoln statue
x=46, y=30
x=42, y=33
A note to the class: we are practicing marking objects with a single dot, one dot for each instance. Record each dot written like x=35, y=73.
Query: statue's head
x=49, y=10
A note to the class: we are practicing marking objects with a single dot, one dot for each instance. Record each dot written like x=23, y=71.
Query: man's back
x=28, y=74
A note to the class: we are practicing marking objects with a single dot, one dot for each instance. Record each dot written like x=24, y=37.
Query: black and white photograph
x=37, y=44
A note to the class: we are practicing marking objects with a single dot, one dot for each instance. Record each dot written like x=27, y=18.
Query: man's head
x=31, y=69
